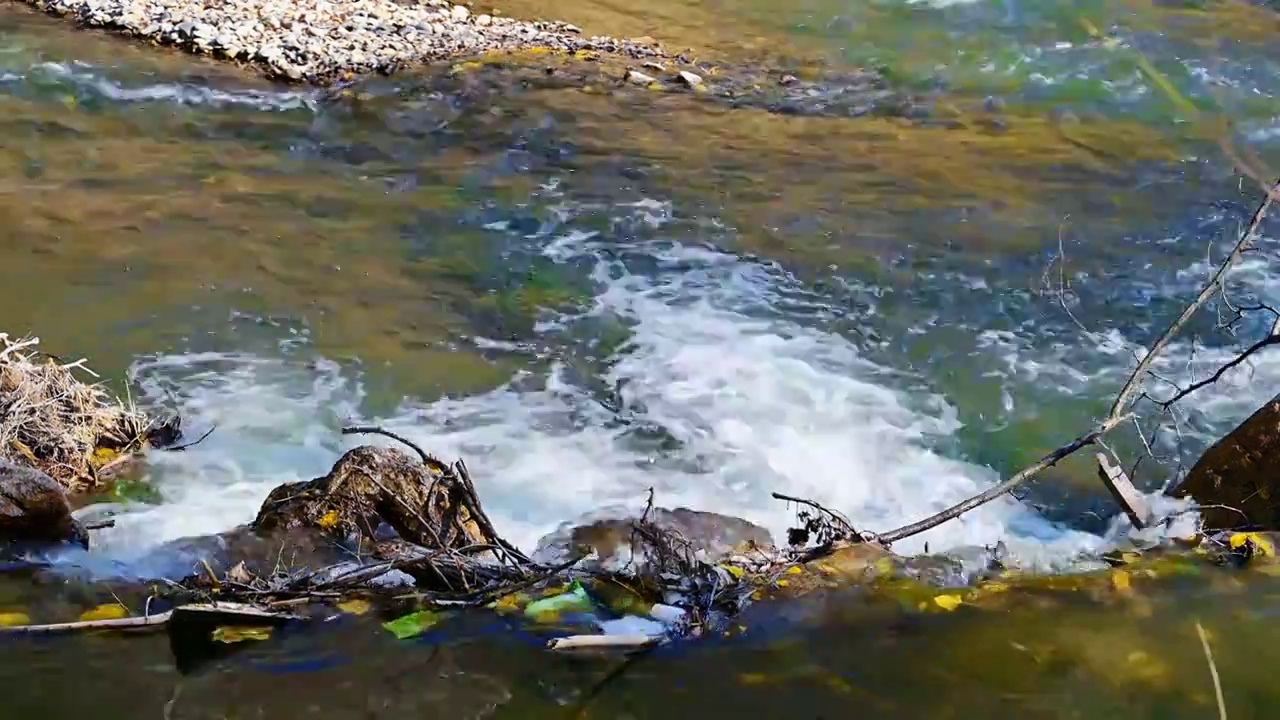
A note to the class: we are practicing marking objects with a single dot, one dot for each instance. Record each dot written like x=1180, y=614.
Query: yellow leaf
x=329, y=520
x=1120, y=581
x=13, y=619
x=794, y=570
x=235, y=634
x=884, y=566
x=734, y=570
x=111, y=611
x=751, y=678
x=355, y=607
x=782, y=583
x=948, y=602
x=1261, y=546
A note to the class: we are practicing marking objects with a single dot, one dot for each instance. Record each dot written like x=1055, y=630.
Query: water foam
x=720, y=400
x=91, y=81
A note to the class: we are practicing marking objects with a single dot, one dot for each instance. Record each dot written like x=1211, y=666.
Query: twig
x=428, y=459
x=193, y=443
x=1213, y=671
x=99, y=524
x=480, y=516
x=839, y=517
x=116, y=624
x=1024, y=475
x=1246, y=239
x=1263, y=343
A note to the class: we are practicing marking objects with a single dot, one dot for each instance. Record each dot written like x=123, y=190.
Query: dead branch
x=428, y=459
x=1131, y=386
x=193, y=443
x=116, y=624
x=480, y=516
x=1217, y=375
x=1024, y=475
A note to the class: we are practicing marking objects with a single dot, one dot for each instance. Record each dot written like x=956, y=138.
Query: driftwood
x=223, y=613
x=603, y=642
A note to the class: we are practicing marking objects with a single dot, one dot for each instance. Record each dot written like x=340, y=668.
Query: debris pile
x=72, y=430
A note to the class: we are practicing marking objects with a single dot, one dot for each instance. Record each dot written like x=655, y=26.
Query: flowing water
x=587, y=294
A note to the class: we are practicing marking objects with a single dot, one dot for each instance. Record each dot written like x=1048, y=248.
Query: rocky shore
x=320, y=41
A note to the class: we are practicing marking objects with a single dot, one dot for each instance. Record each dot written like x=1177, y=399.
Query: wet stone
x=34, y=508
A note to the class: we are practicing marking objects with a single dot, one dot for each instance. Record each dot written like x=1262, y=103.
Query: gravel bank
x=319, y=41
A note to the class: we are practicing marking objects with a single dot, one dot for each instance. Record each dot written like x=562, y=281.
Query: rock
x=34, y=508
x=372, y=488
x=1238, y=477
x=459, y=13
x=711, y=535
x=636, y=77
x=484, y=20
x=690, y=79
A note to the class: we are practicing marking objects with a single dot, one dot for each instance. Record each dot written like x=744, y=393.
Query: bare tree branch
x=1024, y=475
x=1131, y=386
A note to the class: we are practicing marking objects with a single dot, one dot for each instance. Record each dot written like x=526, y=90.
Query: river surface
x=588, y=290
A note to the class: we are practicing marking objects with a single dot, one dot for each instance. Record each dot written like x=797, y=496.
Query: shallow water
x=589, y=292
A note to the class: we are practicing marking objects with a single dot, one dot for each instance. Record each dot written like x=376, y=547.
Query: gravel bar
x=319, y=41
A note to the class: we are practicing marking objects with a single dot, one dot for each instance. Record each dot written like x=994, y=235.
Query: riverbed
x=589, y=288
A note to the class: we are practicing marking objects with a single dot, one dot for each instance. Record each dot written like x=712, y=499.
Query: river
x=589, y=292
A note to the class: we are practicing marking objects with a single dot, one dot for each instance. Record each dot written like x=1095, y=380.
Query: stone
x=34, y=508
x=636, y=77
x=690, y=79
x=1237, y=480
x=711, y=534
x=369, y=487
x=459, y=13
x=484, y=20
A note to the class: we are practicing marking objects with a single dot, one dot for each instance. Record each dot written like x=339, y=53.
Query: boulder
x=378, y=494
x=34, y=508
x=1238, y=478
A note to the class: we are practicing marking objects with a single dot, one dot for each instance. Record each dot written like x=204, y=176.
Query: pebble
x=321, y=40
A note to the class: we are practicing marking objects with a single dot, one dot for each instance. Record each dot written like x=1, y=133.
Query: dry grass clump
x=52, y=420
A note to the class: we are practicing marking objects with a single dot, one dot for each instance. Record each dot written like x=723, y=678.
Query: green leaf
x=412, y=624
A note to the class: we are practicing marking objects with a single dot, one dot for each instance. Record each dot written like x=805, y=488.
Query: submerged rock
x=34, y=508
x=1237, y=480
